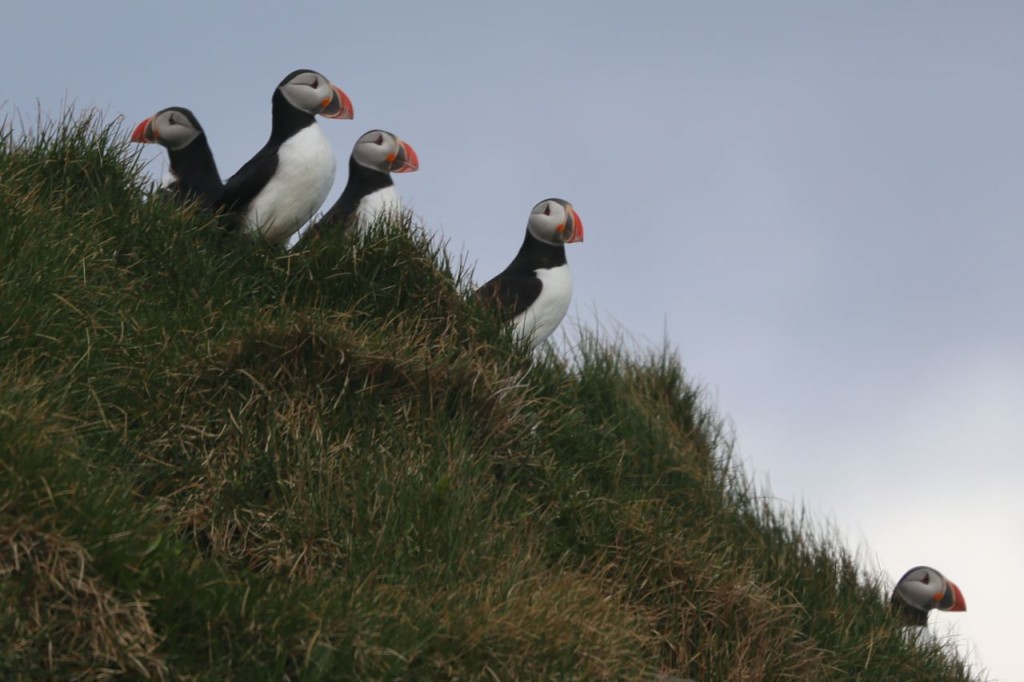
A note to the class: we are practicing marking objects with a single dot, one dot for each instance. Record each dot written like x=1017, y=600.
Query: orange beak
x=577, y=226
x=405, y=160
x=959, y=603
x=144, y=132
x=338, y=106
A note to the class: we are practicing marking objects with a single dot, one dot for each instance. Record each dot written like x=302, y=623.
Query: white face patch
x=545, y=220
x=307, y=91
x=174, y=129
x=373, y=148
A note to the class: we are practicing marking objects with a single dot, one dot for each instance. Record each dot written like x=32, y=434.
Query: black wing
x=335, y=219
x=362, y=182
x=242, y=187
x=512, y=292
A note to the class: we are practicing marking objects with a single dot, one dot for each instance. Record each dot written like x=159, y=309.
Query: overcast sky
x=819, y=204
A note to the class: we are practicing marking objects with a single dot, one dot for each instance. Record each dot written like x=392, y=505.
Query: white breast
x=384, y=201
x=304, y=175
x=542, y=318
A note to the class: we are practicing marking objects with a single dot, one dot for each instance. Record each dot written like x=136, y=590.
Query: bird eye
x=379, y=140
x=547, y=209
x=927, y=578
x=315, y=84
x=173, y=121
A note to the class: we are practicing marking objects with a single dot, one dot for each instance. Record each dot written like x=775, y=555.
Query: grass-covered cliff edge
x=220, y=461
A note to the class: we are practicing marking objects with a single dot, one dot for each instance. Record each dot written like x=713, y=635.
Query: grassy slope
x=218, y=461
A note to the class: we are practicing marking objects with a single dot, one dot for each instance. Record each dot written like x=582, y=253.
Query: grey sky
x=819, y=203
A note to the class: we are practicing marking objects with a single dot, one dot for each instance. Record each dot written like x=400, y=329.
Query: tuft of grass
x=222, y=461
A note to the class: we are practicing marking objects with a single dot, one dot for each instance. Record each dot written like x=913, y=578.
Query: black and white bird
x=284, y=184
x=919, y=591
x=370, y=191
x=535, y=289
x=193, y=172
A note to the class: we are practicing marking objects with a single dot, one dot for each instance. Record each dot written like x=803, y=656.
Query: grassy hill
x=220, y=461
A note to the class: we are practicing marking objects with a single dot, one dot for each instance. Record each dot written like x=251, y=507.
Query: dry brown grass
x=293, y=381
x=66, y=617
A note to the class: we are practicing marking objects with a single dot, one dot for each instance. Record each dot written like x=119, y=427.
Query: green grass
x=220, y=461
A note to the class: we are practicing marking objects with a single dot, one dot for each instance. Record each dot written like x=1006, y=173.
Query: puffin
x=534, y=291
x=193, y=171
x=920, y=590
x=370, y=191
x=280, y=188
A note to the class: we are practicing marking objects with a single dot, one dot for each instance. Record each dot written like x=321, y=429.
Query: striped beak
x=573, y=226
x=953, y=599
x=144, y=132
x=405, y=160
x=338, y=106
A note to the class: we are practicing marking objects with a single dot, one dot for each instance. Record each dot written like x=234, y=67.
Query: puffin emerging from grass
x=535, y=289
x=370, y=191
x=919, y=591
x=193, y=170
x=284, y=184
